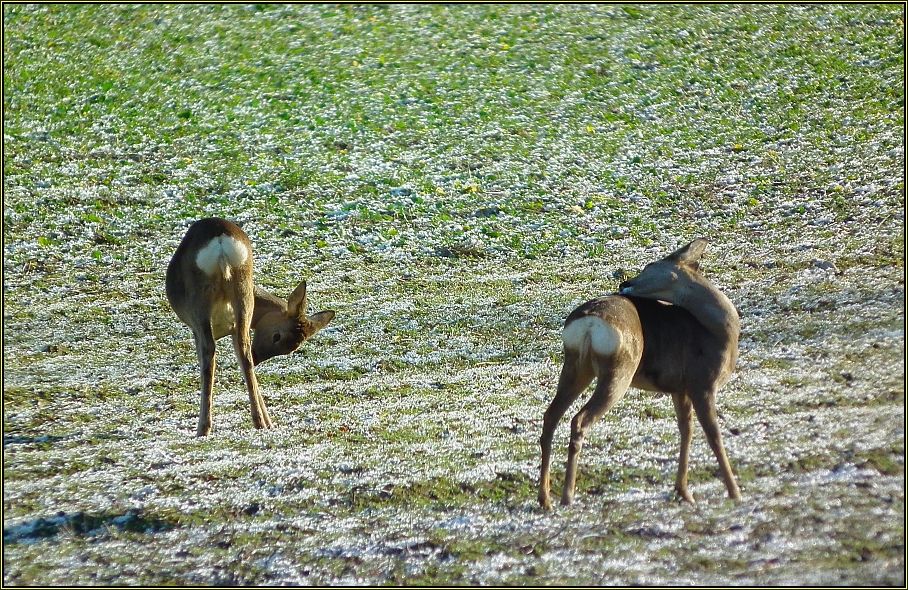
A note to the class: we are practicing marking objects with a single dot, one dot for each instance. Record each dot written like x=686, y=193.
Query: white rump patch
x=220, y=254
x=603, y=339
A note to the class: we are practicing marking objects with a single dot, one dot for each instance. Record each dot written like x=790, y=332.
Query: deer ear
x=296, y=303
x=320, y=320
x=691, y=253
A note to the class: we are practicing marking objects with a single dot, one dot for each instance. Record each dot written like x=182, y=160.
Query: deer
x=667, y=330
x=209, y=286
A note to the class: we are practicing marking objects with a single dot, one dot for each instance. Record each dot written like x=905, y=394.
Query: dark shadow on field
x=83, y=524
x=30, y=440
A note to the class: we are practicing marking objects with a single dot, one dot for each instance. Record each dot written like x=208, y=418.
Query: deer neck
x=266, y=303
x=714, y=311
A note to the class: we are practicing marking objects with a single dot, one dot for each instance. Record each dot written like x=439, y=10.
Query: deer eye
x=276, y=338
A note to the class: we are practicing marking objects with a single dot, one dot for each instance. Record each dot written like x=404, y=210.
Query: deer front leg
x=705, y=406
x=204, y=345
x=572, y=382
x=683, y=413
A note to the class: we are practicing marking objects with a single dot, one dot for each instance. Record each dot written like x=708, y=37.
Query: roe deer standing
x=669, y=330
x=209, y=286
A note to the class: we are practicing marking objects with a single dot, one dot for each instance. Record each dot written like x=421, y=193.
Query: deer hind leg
x=611, y=386
x=205, y=349
x=242, y=346
x=684, y=415
x=574, y=379
x=705, y=406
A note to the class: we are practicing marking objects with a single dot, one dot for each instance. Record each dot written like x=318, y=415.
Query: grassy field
x=452, y=180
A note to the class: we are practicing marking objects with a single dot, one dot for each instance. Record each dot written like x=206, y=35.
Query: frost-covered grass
x=453, y=180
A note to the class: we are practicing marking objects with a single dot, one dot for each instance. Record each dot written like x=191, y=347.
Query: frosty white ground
x=453, y=206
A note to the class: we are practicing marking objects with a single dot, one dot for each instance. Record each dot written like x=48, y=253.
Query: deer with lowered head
x=668, y=330
x=209, y=286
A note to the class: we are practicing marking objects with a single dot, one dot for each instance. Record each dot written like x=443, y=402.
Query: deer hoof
x=260, y=422
x=684, y=496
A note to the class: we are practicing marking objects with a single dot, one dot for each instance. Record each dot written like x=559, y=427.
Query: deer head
x=671, y=278
x=282, y=331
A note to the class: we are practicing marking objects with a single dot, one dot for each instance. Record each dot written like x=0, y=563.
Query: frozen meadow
x=453, y=181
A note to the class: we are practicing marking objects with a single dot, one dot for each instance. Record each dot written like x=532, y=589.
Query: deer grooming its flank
x=209, y=286
x=668, y=330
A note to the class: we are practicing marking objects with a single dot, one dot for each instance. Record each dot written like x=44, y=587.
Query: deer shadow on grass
x=83, y=524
